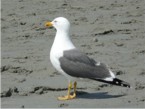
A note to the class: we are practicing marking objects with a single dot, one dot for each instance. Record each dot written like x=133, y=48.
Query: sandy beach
x=110, y=31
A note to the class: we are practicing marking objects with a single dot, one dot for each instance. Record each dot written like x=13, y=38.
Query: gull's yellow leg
x=75, y=86
x=68, y=96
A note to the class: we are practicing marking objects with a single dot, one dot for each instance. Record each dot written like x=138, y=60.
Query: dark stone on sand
x=119, y=44
x=7, y=93
x=22, y=23
x=105, y=32
x=5, y=68
x=63, y=105
x=15, y=90
x=120, y=72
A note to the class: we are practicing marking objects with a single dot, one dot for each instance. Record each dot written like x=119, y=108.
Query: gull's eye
x=55, y=21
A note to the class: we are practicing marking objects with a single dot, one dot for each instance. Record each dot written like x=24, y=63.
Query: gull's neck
x=62, y=41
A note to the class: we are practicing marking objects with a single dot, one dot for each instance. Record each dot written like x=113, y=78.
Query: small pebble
x=95, y=39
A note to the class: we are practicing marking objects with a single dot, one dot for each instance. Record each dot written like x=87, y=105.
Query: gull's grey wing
x=78, y=64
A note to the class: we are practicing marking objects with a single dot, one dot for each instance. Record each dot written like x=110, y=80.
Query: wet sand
x=111, y=31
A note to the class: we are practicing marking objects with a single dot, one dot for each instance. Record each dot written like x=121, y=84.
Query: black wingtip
x=117, y=82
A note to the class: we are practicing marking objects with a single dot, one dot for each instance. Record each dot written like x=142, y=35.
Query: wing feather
x=78, y=64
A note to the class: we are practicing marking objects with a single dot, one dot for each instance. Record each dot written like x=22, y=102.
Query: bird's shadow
x=98, y=95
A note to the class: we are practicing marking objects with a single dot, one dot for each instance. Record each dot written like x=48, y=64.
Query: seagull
x=74, y=64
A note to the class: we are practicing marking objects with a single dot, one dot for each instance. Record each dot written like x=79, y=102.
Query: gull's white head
x=59, y=23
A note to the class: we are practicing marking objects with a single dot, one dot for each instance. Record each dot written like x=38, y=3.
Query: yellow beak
x=48, y=24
